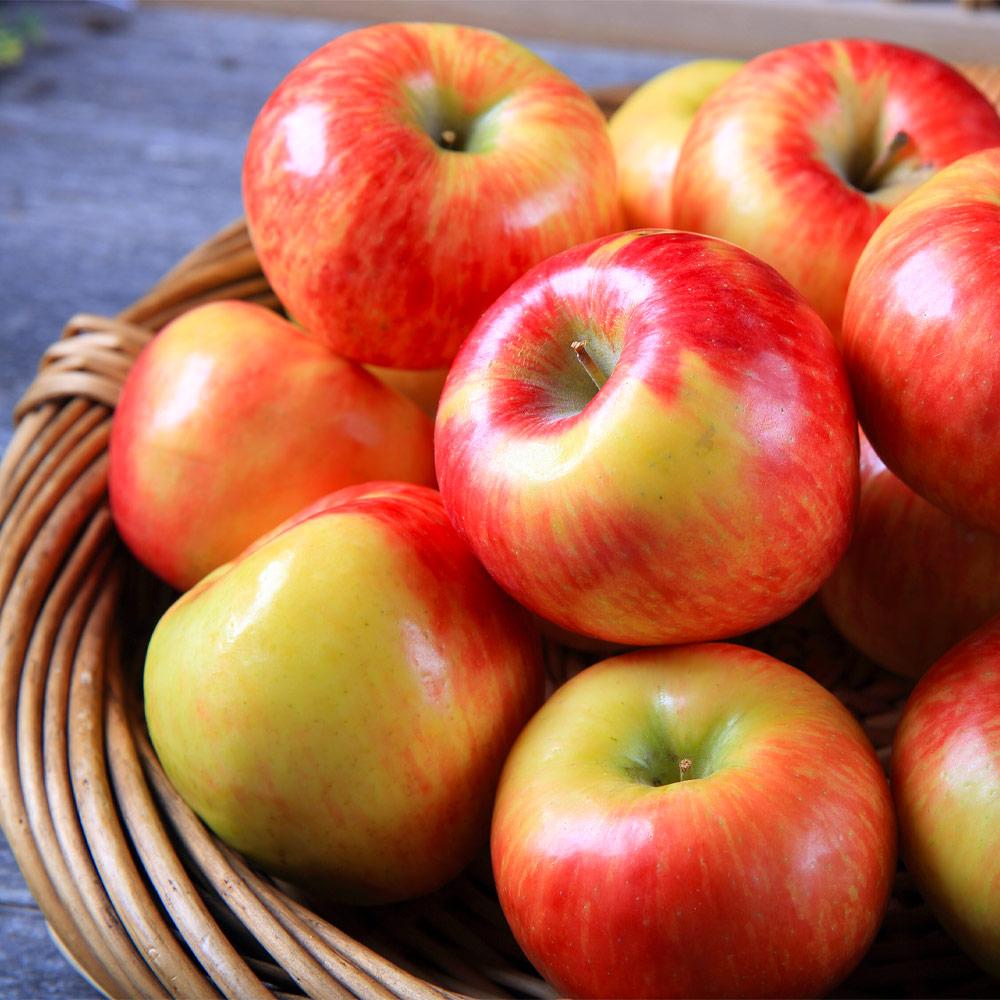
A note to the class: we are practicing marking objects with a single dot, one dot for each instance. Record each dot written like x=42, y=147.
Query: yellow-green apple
x=650, y=439
x=914, y=580
x=231, y=421
x=702, y=821
x=800, y=155
x=647, y=132
x=337, y=702
x=402, y=176
x=921, y=330
x=946, y=783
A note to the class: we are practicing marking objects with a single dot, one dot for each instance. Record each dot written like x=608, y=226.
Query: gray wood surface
x=120, y=149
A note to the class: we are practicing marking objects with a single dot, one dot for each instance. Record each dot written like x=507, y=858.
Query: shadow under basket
x=141, y=898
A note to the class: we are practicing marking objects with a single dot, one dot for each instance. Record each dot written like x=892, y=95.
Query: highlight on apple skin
x=921, y=328
x=706, y=488
x=699, y=821
x=403, y=175
x=914, y=580
x=230, y=421
x=946, y=784
x=337, y=703
x=802, y=153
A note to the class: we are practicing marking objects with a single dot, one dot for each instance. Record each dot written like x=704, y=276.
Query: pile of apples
x=647, y=437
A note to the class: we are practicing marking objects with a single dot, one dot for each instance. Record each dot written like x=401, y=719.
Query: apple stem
x=685, y=764
x=589, y=365
x=891, y=155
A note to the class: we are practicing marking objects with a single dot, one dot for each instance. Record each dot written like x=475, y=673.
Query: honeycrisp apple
x=921, y=330
x=231, y=421
x=800, y=155
x=946, y=783
x=914, y=580
x=702, y=821
x=404, y=175
x=647, y=132
x=338, y=701
x=650, y=438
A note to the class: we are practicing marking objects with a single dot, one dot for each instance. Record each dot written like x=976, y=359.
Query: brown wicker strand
x=213, y=860
x=23, y=444
x=175, y=889
x=19, y=464
x=32, y=509
x=60, y=439
x=65, y=603
x=97, y=910
x=102, y=828
x=25, y=600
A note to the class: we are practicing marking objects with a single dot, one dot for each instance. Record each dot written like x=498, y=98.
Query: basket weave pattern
x=141, y=897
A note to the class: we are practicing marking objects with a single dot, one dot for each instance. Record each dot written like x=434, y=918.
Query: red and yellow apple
x=946, y=783
x=802, y=153
x=696, y=479
x=921, y=333
x=231, y=421
x=402, y=176
x=647, y=132
x=702, y=821
x=337, y=702
x=914, y=580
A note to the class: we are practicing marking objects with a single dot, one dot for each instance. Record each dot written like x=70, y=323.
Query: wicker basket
x=142, y=899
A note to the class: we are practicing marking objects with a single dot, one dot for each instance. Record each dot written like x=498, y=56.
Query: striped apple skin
x=946, y=785
x=708, y=487
x=764, y=874
x=921, y=328
x=776, y=158
x=388, y=246
x=337, y=702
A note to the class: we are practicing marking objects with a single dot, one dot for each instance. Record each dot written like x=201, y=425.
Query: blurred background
x=950, y=28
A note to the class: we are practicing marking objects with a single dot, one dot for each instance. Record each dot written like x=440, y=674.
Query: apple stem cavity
x=589, y=364
x=875, y=175
x=685, y=764
x=449, y=138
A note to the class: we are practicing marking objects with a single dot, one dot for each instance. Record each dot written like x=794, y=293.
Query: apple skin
x=920, y=340
x=422, y=387
x=946, y=784
x=914, y=580
x=381, y=241
x=647, y=132
x=766, y=873
x=337, y=703
x=707, y=489
x=230, y=421
x=774, y=158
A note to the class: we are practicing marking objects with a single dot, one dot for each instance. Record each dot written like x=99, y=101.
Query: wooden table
x=120, y=147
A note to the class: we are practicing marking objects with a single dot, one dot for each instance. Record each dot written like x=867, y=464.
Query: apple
x=650, y=439
x=914, y=579
x=702, y=821
x=230, y=421
x=402, y=176
x=946, y=783
x=422, y=387
x=337, y=702
x=802, y=153
x=647, y=132
x=920, y=340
